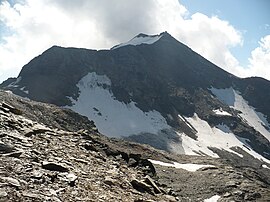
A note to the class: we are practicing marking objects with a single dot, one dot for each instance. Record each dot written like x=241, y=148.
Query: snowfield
x=191, y=167
x=255, y=119
x=113, y=118
x=220, y=112
x=212, y=199
x=138, y=40
x=117, y=119
x=219, y=137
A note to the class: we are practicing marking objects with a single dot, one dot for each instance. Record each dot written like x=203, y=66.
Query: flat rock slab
x=4, y=148
x=54, y=166
x=11, y=181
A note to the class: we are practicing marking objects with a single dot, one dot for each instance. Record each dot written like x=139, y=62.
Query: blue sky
x=251, y=17
x=235, y=35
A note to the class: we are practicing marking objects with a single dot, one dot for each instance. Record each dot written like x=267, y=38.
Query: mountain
x=48, y=153
x=158, y=91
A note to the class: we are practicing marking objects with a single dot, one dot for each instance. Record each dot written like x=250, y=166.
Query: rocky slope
x=47, y=163
x=53, y=154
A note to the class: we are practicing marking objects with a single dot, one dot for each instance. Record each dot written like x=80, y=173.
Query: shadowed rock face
x=69, y=160
x=165, y=76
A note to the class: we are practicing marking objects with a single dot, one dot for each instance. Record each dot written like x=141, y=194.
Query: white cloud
x=212, y=38
x=99, y=24
x=260, y=59
x=37, y=26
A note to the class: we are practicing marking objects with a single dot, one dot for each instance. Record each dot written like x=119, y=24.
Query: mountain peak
x=153, y=88
x=143, y=35
x=142, y=39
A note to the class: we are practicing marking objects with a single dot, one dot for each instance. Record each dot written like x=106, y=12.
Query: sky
x=233, y=34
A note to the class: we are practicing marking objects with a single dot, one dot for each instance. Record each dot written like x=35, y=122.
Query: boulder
x=54, y=166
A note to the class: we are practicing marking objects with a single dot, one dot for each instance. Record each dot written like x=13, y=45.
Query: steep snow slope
x=117, y=119
x=219, y=137
x=255, y=119
x=113, y=118
x=140, y=39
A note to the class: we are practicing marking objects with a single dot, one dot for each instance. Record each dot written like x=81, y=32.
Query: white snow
x=8, y=91
x=227, y=95
x=186, y=166
x=263, y=119
x=212, y=199
x=113, y=118
x=220, y=112
x=220, y=137
x=185, y=121
x=25, y=91
x=138, y=40
x=265, y=166
x=116, y=119
x=182, y=118
x=14, y=84
x=255, y=119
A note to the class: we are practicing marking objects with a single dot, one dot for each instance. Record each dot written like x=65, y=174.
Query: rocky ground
x=51, y=154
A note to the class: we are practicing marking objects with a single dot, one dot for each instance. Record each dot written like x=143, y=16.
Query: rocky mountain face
x=157, y=91
x=49, y=153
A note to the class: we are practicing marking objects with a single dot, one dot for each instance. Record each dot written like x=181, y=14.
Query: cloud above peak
x=260, y=59
x=35, y=26
x=212, y=38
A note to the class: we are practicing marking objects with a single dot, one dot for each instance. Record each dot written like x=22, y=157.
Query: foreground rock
x=55, y=165
x=66, y=159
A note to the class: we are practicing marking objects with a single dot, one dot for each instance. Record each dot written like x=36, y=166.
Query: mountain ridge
x=163, y=80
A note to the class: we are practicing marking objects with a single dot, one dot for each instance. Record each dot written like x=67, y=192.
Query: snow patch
x=8, y=91
x=14, y=84
x=227, y=95
x=208, y=137
x=25, y=91
x=220, y=112
x=193, y=147
x=140, y=39
x=219, y=137
x=255, y=119
x=187, y=123
x=212, y=199
x=265, y=166
x=263, y=119
x=112, y=117
x=186, y=166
